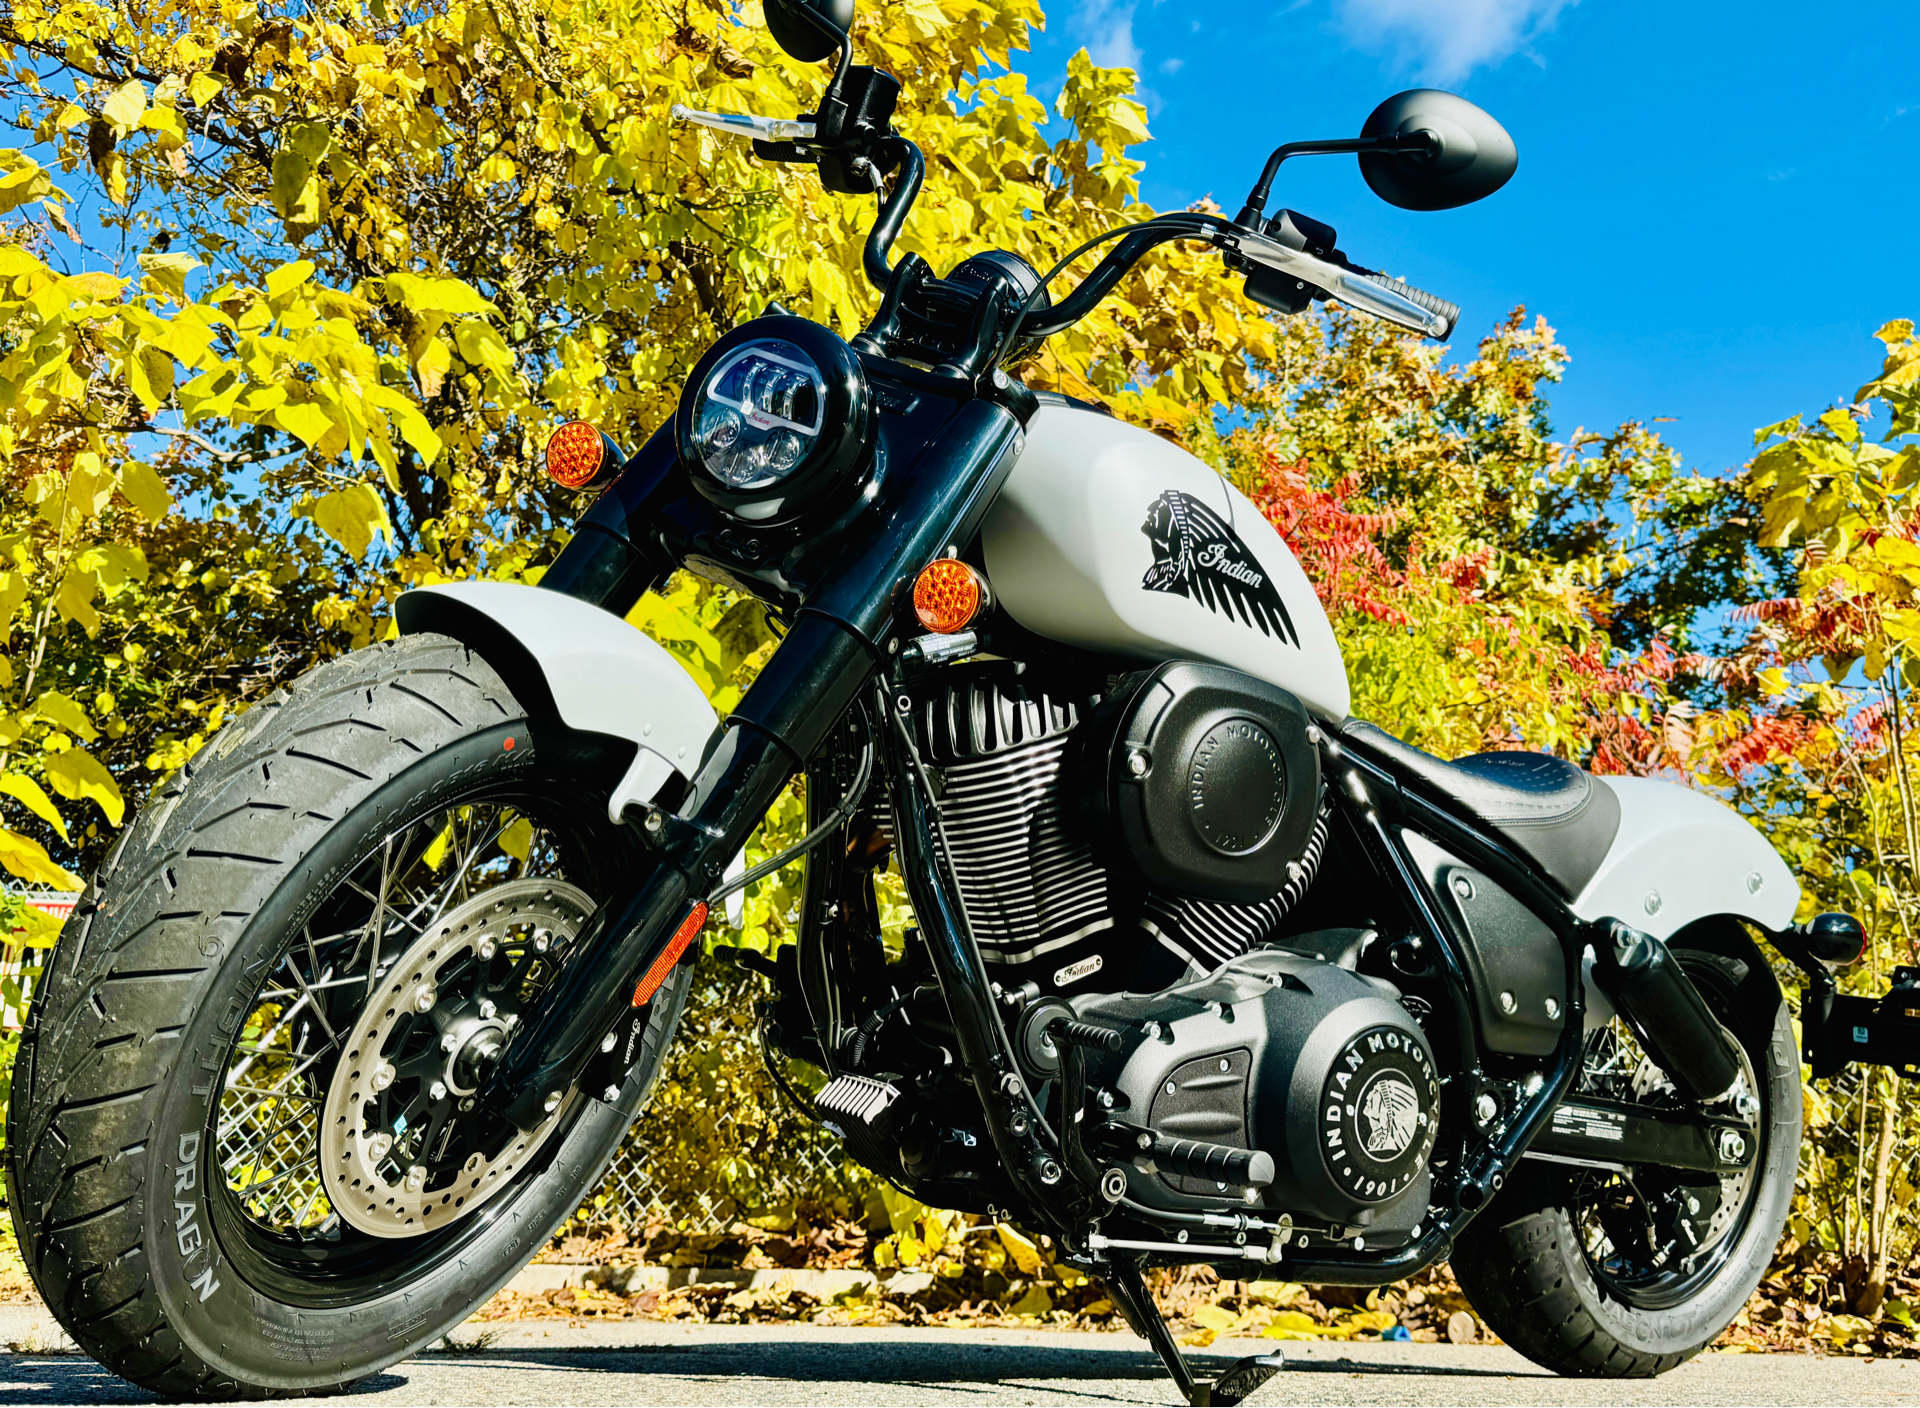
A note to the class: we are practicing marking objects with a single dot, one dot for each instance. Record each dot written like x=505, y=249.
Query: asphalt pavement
x=669, y=1364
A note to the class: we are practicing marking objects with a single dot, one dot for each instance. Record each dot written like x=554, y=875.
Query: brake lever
x=766, y=129
x=1351, y=287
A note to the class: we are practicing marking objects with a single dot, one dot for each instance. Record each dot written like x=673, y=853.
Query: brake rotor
x=404, y=1147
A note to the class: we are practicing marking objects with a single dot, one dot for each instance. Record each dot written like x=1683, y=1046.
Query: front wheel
x=1624, y=1274
x=245, y=1149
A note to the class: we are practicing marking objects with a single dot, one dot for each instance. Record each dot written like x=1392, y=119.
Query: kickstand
x=1241, y=1378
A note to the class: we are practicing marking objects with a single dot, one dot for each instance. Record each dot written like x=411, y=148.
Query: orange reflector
x=689, y=930
x=947, y=595
x=575, y=454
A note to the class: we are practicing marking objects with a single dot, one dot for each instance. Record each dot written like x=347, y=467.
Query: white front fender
x=586, y=666
x=1680, y=855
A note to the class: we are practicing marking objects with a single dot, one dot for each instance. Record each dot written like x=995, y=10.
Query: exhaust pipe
x=1666, y=1012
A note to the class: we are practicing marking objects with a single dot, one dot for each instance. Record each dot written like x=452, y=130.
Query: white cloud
x=1106, y=28
x=1445, y=40
x=1172, y=65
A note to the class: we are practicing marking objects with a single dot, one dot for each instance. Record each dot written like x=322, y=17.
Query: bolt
x=1137, y=763
x=487, y=1009
x=1225, y=1064
x=1485, y=1107
x=437, y=1091
x=1463, y=887
x=487, y=949
x=513, y=1020
x=1144, y=1140
x=1359, y=1244
x=1553, y=1008
x=1171, y=1087
x=382, y=1077
x=1105, y=1097
x=1049, y=1172
x=1507, y=1004
x=450, y=1042
x=611, y=1040
x=1113, y=1185
x=655, y=821
x=541, y=942
x=472, y=1165
x=1181, y=1236
x=1652, y=902
x=466, y=1106
x=553, y=1102
x=1693, y=1205
x=610, y=1094
x=1313, y=735
x=424, y=997
x=416, y=1178
x=378, y=1145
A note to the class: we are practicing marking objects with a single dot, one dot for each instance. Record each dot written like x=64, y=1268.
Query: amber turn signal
x=689, y=929
x=579, y=456
x=948, y=596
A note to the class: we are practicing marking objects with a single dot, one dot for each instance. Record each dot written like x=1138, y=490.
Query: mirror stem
x=1255, y=210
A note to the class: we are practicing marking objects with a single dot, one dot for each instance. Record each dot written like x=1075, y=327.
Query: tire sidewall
x=205, y=1293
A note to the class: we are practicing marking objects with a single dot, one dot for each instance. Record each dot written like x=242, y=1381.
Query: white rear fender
x=569, y=659
x=1680, y=855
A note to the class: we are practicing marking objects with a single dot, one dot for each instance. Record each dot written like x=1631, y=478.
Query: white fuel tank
x=1109, y=538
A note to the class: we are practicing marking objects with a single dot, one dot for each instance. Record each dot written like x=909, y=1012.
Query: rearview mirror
x=1469, y=156
x=809, y=30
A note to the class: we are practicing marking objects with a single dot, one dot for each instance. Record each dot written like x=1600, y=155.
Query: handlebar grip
x=1439, y=306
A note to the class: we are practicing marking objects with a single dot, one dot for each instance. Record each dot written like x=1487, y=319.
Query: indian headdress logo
x=1198, y=556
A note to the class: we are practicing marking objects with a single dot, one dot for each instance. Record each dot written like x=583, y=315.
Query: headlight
x=774, y=417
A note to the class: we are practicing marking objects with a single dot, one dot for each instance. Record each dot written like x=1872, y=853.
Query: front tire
x=1528, y=1264
x=202, y=1263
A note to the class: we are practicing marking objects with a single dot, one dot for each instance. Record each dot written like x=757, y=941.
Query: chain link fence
x=718, y=1142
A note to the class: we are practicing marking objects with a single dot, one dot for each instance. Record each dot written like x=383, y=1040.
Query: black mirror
x=1469, y=155
x=809, y=30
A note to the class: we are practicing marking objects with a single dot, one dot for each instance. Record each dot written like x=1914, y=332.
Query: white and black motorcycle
x=1205, y=969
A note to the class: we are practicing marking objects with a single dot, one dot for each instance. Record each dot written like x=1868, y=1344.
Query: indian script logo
x=1198, y=556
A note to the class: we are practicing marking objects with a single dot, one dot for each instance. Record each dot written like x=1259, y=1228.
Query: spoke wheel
x=1652, y=1235
x=349, y=1133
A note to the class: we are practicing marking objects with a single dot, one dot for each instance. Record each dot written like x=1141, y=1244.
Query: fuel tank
x=1109, y=538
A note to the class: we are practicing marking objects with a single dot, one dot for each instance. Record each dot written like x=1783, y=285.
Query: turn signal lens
x=948, y=595
x=576, y=455
x=689, y=929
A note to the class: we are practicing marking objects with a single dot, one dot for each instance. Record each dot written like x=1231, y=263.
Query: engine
x=1122, y=859
x=1123, y=839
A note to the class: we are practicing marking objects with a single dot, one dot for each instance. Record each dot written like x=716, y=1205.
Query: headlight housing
x=775, y=417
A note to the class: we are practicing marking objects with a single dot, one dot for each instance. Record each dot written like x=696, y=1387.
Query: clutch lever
x=766, y=129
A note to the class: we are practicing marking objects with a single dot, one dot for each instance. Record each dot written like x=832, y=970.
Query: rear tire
x=124, y=1215
x=1524, y=1265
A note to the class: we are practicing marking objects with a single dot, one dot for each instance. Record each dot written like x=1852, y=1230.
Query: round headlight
x=774, y=416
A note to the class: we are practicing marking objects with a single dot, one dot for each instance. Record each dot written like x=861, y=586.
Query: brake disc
x=404, y=1147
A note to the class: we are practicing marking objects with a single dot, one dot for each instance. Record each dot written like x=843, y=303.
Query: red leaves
x=1335, y=545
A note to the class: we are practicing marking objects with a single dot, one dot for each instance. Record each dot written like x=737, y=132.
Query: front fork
x=827, y=661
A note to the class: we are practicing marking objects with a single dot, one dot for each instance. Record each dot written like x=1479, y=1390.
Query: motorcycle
x=1205, y=970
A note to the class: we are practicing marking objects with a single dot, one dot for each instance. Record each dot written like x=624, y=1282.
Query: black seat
x=1549, y=810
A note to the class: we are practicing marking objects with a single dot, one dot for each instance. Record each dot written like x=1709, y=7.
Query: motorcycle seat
x=1555, y=814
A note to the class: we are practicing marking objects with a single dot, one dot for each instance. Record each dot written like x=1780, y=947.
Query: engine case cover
x=1317, y=1065
x=1203, y=778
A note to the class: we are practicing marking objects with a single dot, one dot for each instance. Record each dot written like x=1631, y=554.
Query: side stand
x=1241, y=1378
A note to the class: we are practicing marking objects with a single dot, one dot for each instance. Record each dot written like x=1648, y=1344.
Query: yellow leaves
x=30, y=795
x=56, y=708
x=283, y=281
x=146, y=491
x=74, y=601
x=29, y=860
x=168, y=272
x=76, y=773
x=420, y=294
x=1035, y=1303
x=352, y=517
x=430, y=366
x=150, y=376
x=21, y=180
x=1018, y=1246
x=126, y=106
x=481, y=345
x=203, y=88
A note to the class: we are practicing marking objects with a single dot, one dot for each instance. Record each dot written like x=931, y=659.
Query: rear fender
x=569, y=660
x=1680, y=856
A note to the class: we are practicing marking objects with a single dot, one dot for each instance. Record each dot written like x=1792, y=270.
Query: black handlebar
x=894, y=151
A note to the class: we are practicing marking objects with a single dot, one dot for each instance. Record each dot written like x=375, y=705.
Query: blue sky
x=1716, y=203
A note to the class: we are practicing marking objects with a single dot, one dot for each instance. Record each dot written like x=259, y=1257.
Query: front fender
x=1680, y=855
x=568, y=659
